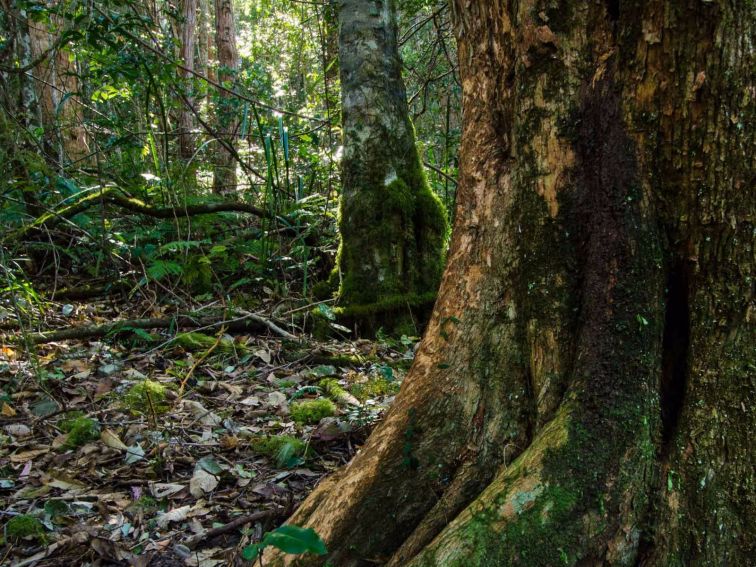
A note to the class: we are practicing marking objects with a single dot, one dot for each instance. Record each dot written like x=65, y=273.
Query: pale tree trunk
x=391, y=224
x=203, y=38
x=57, y=87
x=224, y=180
x=584, y=392
x=186, y=118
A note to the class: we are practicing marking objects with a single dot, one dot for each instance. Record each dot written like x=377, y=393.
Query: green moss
x=400, y=228
x=146, y=397
x=24, y=526
x=332, y=388
x=310, y=412
x=199, y=341
x=272, y=445
x=324, y=290
x=80, y=430
x=375, y=388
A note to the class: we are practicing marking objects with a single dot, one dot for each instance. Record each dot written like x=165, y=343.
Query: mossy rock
x=146, y=397
x=310, y=412
x=80, y=430
x=24, y=526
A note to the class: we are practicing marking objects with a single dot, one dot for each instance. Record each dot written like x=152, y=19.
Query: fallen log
x=247, y=322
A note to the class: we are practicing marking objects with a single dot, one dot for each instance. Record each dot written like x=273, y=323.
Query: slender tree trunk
x=392, y=226
x=228, y=62
x=57, y=86
x=186, y=119
x=583, y=394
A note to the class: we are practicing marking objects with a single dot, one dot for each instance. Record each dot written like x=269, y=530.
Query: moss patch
x=145, y=397
x=80, y=430
x=310, y=412
x=24, y=526
x=375, y=388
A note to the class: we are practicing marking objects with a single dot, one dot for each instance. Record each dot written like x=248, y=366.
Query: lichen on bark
x=393, y=227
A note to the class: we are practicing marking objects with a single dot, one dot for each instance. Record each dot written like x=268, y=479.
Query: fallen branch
x=114, y=196
x=234, y=524
x=248, y=322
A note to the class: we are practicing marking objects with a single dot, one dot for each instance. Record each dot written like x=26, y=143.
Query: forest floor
x=165, y=449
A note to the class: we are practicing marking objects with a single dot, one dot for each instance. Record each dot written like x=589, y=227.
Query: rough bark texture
x=224, y=179
x=57, y=87
x=188, y=34
x=392, y=226
x=583, y=393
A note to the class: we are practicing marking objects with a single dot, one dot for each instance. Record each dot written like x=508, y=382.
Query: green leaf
x=326, y=312
x=295, y=540
x=251, y=552
x=210, y=465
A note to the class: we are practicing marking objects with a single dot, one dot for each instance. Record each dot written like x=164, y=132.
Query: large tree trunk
x=186, y=118
x=583, y=394
x=392, y=226
x=224, y=179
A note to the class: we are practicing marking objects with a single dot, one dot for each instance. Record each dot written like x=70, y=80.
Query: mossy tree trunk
x=584, y=392
x=224, y=175
x=391, y=224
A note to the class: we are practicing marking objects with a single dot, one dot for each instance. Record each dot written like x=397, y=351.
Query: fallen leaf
x=134, y=454
x=28, y=455
x=111, y=439
x=18, y=430
x=202, y=414
x=175, y=515
x=7, y=410
x=202, y=482
x=164, y=489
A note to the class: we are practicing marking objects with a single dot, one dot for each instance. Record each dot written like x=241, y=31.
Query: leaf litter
x=128, y=453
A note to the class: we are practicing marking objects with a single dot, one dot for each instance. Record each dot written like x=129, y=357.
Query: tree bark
x=392, y=226
x=186, y=118
x=583, y=393
x=57, y=86
x=224, y=180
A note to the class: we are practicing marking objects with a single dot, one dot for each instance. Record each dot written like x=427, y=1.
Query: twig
x=236, y=523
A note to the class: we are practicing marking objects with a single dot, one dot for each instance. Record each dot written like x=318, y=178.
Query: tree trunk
x=392, y=225
x=57, y=86
x=224, y=180
x=583, y=393
x=186, y=118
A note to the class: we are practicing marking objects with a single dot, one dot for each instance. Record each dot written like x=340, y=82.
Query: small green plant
x=288, y=451
x=24, y=526
x=310, y=412
x=289, y=539
x=80, y=430
x=146, y=397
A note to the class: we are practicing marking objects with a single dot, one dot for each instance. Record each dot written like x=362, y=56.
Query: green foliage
x=24, y=526
x=286, y=450
x=310, y=412
x=80, y=430
x=146, y=397
x=289, y=539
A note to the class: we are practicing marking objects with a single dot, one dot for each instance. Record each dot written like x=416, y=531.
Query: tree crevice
x=675, y=351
